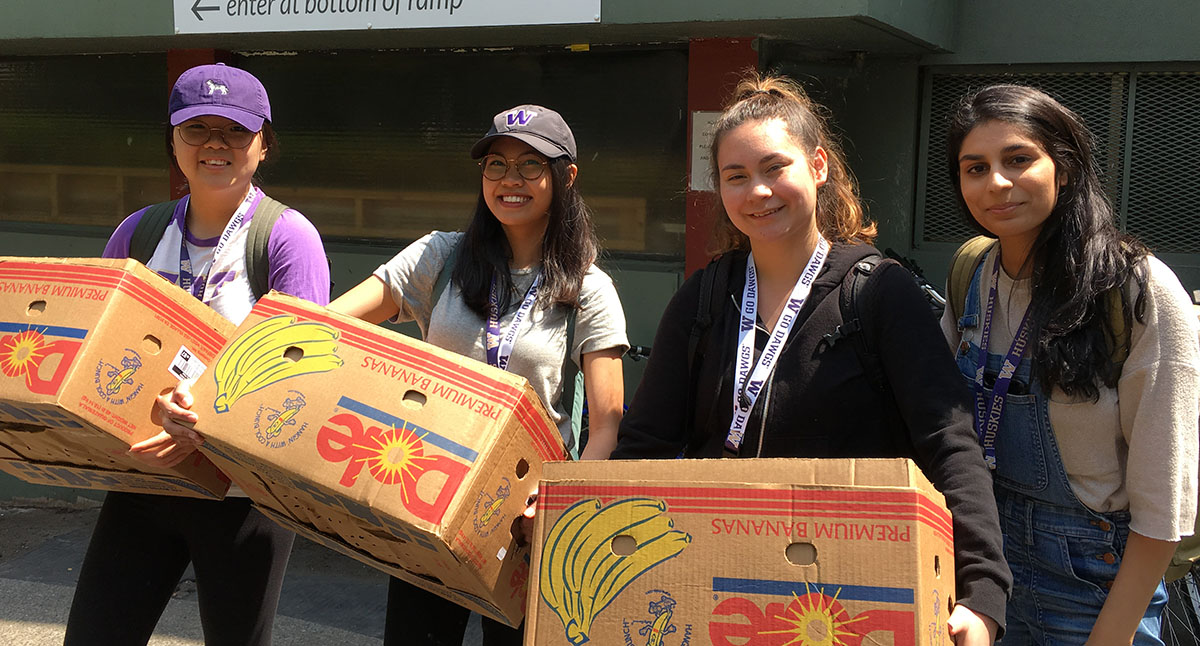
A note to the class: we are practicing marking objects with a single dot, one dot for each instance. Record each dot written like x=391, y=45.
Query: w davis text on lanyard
x=987, y=413
x=196, y=285
x=746, y=392
x=500, y=348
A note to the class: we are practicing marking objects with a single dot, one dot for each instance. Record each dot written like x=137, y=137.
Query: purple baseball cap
x=221, y=91
x=542, y=128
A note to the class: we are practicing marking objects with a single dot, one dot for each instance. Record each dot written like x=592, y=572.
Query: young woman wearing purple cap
x=1091, y=428
x=220, y=133
x=523, y=265
x=814, y=347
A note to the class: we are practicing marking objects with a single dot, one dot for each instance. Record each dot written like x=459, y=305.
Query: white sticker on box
x=186, y=365
x=502, y=553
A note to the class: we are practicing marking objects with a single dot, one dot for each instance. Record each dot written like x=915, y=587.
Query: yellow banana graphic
x=580, y=575
x=256, y=359
x=115, y=384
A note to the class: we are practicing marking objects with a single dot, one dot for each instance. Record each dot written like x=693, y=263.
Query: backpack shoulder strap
x=573, y=393
x=258, y=265
x=852, y=298
x=962, y=268
x=150, y=229
x=714, y=281
x=443, y=279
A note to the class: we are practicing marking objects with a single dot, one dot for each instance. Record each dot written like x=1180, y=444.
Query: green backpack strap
x=258, y=265
x=573, y=393
x=443, y=277
x=150, y=229
x=962, y=267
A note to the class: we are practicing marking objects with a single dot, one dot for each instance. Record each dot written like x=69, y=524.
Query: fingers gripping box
x=407, y=457
x=769, y=552
x=85, y=347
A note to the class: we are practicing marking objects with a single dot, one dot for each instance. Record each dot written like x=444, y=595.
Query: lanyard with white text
x=987, y=414
x=195, y=285
x=747, y=383
x=499, y=349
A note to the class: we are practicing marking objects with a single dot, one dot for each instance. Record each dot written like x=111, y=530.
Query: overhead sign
x=234, y=16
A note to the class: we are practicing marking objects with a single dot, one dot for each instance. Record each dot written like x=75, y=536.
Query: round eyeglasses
x=198, y=133
x=495, y=167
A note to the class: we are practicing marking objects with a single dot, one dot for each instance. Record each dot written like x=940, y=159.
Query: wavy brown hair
x=840, y=213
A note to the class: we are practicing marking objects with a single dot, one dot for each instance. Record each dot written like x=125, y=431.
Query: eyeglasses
x=495, y=167
x=197, y=133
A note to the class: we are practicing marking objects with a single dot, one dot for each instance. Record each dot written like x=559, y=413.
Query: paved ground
x=327, y=598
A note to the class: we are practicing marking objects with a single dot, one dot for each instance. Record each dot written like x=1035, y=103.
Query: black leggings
x=140, y=548
x=419, y=618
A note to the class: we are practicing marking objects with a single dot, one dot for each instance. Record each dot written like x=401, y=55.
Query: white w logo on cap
x=520, y=117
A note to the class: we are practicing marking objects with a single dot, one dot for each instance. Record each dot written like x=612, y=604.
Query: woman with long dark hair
x=778, y=372
x=1082, y=352
x=521, y=273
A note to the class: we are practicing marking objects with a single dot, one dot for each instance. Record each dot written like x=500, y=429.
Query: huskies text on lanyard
x=500, y=348
x=748, y=383
x=195, y=285
x=987, y=414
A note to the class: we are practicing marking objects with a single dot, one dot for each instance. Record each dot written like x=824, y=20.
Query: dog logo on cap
x=520, y=117
x=214, y=87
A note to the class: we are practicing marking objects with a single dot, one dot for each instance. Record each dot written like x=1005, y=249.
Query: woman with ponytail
x=813, y=347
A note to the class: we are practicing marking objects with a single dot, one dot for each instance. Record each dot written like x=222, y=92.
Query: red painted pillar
x=714, y=67
x=178, y=62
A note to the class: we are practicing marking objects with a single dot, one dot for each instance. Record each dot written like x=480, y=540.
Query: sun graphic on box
x=816, y=620
x=21, y=353
x=395, y=456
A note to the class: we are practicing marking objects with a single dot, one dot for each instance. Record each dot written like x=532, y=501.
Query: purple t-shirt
x=296, y=256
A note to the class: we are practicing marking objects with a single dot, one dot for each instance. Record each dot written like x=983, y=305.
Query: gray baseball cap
x=540, y=127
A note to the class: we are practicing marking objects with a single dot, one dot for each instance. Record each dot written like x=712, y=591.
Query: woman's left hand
x=970, y=629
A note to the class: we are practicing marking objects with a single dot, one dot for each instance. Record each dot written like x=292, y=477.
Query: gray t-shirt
x=541, y=343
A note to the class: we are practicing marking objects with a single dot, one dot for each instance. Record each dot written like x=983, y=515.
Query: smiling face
x=769, y=184
x=518, y=203
x=1008, y=181
x=215, y=165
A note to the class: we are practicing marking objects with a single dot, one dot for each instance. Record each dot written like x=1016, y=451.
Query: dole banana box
x=407, y=457
x=86, y=345
x=768, y=552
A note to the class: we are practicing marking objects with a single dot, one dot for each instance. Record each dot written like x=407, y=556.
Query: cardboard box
x=85, y=347
x=740, y=552
x=411, y=459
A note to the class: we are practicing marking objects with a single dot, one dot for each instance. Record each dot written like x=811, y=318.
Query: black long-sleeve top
x=821, y=403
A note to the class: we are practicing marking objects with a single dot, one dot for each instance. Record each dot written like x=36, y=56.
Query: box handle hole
x=801, y=553
x=624, y=545
x=151, y=344
x=937, y=566
x=36, y=308
x=414, y=398
x=522, y=468
x=293, y=354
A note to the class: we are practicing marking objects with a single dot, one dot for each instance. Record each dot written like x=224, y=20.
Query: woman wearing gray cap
x=511, y=291
x=220, y=132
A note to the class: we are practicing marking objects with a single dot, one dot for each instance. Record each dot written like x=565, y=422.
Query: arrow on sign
x=196, y=9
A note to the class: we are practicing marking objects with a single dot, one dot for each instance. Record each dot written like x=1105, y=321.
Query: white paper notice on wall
x=703, y=123
x=236, y=16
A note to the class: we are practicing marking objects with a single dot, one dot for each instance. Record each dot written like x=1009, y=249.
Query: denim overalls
x=1063, y=555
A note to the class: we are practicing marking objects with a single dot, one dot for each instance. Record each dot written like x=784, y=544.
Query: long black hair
x=1078, y=256
x=568, y=249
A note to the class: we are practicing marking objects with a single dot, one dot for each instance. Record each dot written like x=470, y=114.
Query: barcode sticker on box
x=186, y=365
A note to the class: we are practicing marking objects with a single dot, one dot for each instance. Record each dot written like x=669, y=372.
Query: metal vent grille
x=1163, y=208
x=1101, y=98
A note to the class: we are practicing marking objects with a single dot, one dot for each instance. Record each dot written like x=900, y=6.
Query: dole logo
x=809, y=619
x=43, y=364
x=393, y=456
x=520, y=117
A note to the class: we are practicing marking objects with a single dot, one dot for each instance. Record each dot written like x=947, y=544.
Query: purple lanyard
x=500, y=348
x=195, y=285
x=987, y=415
